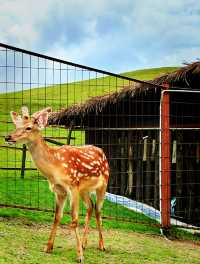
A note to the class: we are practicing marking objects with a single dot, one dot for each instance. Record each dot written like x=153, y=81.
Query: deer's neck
x=40, y=153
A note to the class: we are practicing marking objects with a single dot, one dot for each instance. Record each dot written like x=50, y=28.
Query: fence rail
x=153, y=168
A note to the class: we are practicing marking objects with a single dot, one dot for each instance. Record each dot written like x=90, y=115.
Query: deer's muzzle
x=9, y=139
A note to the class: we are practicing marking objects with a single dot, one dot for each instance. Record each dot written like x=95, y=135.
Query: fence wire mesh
x=94, y=107
x=185, y=135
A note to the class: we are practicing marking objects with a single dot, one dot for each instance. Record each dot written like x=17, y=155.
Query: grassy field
x=23, y=242
x=63, y=95
x=33, y=191
x=23, y=233
x=59, y=96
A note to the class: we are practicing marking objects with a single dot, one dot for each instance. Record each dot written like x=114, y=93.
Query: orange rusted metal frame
x=165, y=159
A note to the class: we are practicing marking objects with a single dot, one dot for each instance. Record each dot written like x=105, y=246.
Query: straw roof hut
x=187, y=77
x=126, y=125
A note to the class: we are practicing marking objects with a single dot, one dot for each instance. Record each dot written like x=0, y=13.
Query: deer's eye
x=28, y=128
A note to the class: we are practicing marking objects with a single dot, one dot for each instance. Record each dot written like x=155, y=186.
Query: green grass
x=64, y=95
x=23, y=233
x=149, y=74
x=59, y=96
x=35, y=193
x=23, y=242
x=33, y=190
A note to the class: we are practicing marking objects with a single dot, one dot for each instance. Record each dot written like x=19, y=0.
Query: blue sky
x=109, y=34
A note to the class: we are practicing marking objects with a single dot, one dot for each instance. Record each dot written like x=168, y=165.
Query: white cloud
x=115, y=35
x=20, y=21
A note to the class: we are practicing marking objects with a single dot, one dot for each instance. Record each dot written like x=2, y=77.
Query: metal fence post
x=23, y=161
x=165, y=159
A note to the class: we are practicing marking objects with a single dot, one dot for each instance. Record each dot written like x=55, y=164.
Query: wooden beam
x=23, y=161
x=165, y=160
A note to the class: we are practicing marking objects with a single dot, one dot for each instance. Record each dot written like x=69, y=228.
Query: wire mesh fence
x=113, y=112
x=185, y=132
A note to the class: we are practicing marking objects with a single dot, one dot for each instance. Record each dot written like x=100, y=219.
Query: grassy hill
x=149, y=74
x=33, y=190
x=58, y=96
x=63, y=95
x=66, y=94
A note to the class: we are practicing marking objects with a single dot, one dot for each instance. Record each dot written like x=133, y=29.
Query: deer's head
x=27, y=128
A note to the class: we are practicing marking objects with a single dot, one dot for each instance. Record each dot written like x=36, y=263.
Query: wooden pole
x=23, y=161
x=139, y=167
x=130, y=168
x=179, y=175
x=156, y=169
x=148, y=175
x=123, y=163
x=69, y=136
x=165, y=159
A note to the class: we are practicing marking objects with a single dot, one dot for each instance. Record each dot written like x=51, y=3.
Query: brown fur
x=76, y=171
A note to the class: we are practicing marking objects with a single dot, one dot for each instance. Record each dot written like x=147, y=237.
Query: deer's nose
x=8, y=138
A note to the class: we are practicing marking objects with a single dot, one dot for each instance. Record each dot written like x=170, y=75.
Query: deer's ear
x=42, y=120
x=25, y=112
x=13, y=116
x=17, y=120
x=36, y=114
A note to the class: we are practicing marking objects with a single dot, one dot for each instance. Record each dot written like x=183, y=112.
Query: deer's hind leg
x=74, y=224
x=100, y=193
x=89, y=205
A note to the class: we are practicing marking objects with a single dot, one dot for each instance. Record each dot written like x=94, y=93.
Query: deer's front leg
x=74, y=224
x=60, y=202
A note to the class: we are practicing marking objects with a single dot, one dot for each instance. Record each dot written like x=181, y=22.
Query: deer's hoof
x=81, y=259
x=48, y=248
x=101, y=247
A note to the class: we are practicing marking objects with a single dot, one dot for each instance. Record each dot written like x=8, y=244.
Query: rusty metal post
x=165, y=159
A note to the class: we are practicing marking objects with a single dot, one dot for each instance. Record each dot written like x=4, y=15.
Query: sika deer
x=70, y=170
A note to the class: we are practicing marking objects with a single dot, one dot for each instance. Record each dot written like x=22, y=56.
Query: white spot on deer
x=98, y=162
x=104, y=168
x=62, y=158
x=79, y=174
x=91, y=152
x=86, y=156
x=94, y=171
x=65, y=165
x=78, y=160
x=106, y=173
x=86, y=165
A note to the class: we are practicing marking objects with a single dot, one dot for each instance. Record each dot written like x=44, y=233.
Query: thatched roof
x=187, y=77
